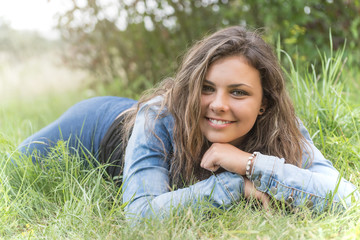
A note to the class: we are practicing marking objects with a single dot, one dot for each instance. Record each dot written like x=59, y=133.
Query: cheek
x=203, y=103
x=247, y=109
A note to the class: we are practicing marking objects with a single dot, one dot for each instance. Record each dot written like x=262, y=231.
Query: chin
x=218, y=140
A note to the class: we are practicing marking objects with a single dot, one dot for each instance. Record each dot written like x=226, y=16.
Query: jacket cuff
x=263, y=169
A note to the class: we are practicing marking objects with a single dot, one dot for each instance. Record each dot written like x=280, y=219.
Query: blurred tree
x=139, y=41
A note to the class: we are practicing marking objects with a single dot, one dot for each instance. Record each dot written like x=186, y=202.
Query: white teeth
x=218, y=122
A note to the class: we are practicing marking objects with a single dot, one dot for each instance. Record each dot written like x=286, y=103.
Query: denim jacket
x=147, y=192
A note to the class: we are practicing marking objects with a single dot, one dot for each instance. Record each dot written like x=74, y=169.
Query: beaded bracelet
x=248, y=165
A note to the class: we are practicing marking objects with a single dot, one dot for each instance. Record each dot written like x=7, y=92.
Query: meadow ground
x=69, y=201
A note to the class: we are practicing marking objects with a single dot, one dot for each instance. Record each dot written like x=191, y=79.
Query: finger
x=252, y=193
x=204, y=160
x=265, y=200
x=209, y=161
x=208, y=165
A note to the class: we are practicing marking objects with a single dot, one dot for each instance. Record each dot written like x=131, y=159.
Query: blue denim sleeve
x=317, y=185
x=146, y=189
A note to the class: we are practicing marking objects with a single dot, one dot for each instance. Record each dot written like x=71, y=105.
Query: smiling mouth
x=218, y=122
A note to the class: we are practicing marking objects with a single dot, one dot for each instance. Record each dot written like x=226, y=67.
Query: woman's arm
x=315, y=185
x=146, y=187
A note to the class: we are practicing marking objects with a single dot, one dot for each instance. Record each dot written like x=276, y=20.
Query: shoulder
x=154, y=113
x=155, y=109
x=154, y=105
x=152, y=130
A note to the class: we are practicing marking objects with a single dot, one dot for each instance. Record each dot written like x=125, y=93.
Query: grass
x=68, y=200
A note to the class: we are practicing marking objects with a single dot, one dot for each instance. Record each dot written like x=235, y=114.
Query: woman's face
x=231, y=99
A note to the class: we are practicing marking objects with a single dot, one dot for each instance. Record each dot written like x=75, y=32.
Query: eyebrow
x=231, y=86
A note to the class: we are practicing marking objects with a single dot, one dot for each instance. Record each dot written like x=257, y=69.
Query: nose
x=219, y=103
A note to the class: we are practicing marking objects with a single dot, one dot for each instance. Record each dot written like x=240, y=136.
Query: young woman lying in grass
x=221, y=130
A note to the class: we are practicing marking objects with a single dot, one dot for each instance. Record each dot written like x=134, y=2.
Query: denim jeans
x=82, y=126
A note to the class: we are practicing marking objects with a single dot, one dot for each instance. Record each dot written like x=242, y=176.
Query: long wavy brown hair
x=276, y=131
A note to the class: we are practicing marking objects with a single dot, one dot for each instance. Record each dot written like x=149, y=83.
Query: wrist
x=249, y=165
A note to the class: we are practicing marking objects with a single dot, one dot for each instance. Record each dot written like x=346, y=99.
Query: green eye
x=239, y=93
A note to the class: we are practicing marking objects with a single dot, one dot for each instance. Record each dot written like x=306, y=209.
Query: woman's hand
x=250, y=192
x=233, y=160
x=226, y=156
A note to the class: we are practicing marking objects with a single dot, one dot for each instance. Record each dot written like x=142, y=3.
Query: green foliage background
x=140, y=42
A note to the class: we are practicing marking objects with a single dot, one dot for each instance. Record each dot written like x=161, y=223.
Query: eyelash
x=207, y=89
x=242, y=93
x=237, y=93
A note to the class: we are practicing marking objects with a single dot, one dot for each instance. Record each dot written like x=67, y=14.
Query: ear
x=263, y=107
x=261, y=111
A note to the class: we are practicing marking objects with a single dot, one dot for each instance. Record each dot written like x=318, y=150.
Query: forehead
x=232, y=69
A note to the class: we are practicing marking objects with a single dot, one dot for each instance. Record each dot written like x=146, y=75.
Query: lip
x=218, y=126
